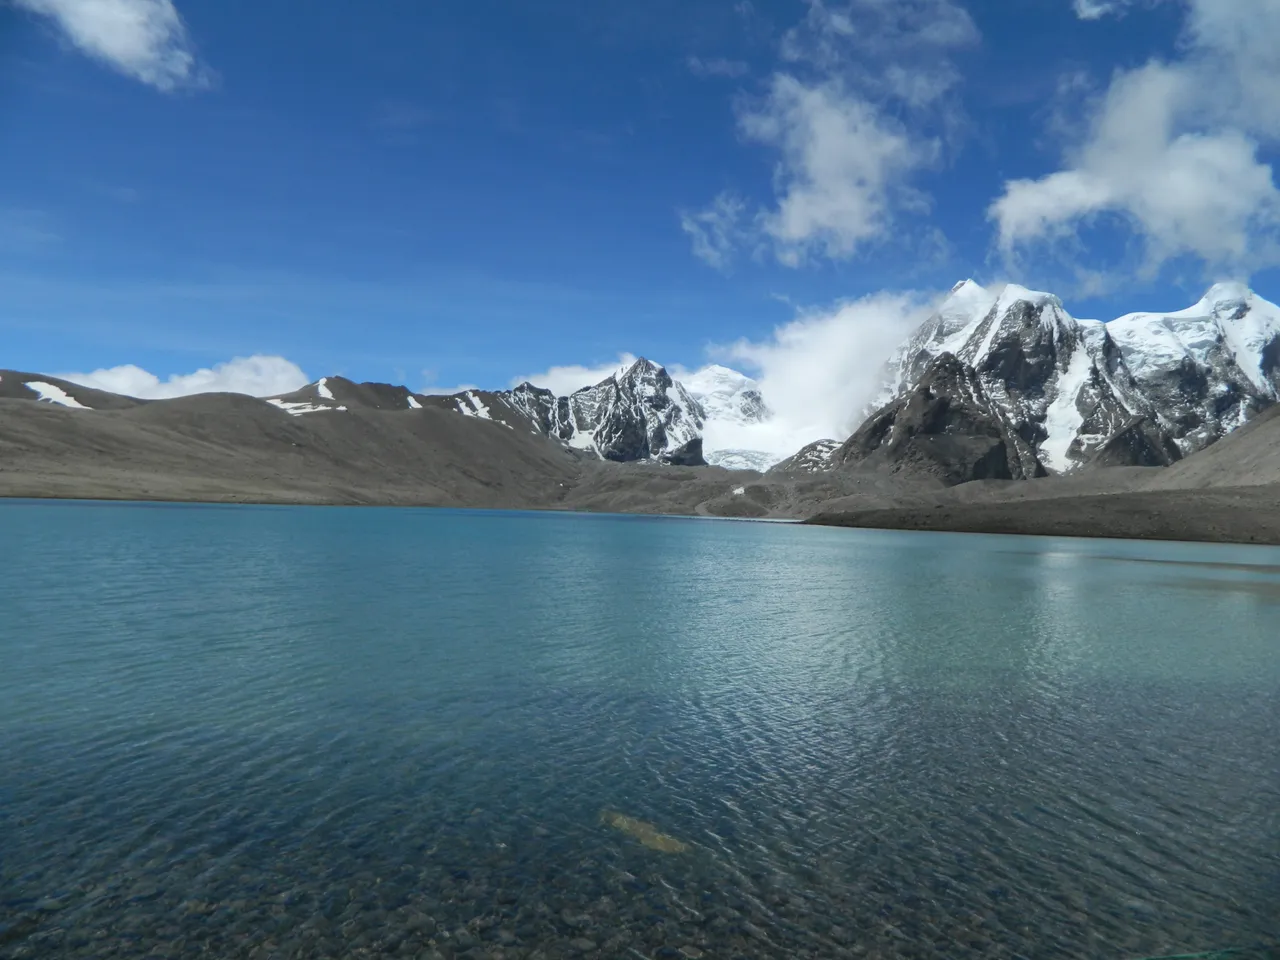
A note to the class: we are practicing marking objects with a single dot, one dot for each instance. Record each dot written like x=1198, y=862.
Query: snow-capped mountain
x=731, y=401
x=726, y=395
x=1208, y=368
x=1057, y=383
x=1143, y=389
x=637, y=413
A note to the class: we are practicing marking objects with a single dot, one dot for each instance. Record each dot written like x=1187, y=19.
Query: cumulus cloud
x=853, y=110
x=563, y=381
x=143, y=39
x=840, y=160
x=1172, y=150
x=258, y=376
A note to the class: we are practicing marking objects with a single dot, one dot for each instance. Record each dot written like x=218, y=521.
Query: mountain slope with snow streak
x=1061, y=384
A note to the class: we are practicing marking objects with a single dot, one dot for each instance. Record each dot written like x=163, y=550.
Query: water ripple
x=245, y=732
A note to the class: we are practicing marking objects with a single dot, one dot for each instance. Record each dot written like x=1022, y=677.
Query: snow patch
x=733, y=459
x=1063, y=418
x=739, y=491
x=478, y=407
x=52, y=394
x=322, y=388
x=297, y=409
x=413, y=403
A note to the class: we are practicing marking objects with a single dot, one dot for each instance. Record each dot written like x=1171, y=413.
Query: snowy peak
x=640, y=414
x=965, y=286
x=1226, y=295
x=1208, y=368
x=636, y=413
x=726, y=395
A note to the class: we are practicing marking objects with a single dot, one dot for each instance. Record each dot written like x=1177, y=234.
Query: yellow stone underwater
x=646, y=833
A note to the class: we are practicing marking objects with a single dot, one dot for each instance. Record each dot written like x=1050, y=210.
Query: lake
x=234, y=731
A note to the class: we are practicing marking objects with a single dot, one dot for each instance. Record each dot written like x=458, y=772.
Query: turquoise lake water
x=324, y=732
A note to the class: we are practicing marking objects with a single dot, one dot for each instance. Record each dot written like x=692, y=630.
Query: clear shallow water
x=315, y=732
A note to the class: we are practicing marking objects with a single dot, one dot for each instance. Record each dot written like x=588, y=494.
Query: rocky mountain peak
x=643, y=370
x=965, y=285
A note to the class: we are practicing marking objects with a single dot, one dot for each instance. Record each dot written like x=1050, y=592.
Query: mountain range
x=996, y=386
x=1052, y=394
x=996, y=383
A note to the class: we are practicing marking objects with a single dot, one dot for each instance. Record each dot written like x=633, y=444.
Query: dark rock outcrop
x=1139, y=443
x=688, y=455
x=946, y=428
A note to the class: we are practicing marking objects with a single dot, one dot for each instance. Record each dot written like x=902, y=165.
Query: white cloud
x=862, y=36
x=258, y=376
x=563, y=381
x=143, y=39
x=851, y=113
x=716, y=67
x=1172, y=149
x=1096, y=9
x=841, y=159
x=819, y=372
x=716, y=230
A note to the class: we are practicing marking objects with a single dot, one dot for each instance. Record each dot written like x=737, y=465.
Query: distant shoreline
x=1247, y=516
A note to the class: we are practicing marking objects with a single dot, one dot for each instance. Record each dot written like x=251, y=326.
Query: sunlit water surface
x=306, y=732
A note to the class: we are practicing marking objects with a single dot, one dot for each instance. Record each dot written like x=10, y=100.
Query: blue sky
x=462, y=192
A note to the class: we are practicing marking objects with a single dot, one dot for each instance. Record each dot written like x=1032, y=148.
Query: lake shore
x=1248, y=515
x=1244, y=515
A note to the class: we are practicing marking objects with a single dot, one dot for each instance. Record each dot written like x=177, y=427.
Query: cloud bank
x=258, y=376
x=142, y=39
